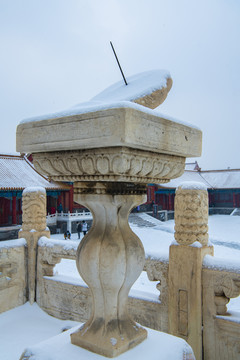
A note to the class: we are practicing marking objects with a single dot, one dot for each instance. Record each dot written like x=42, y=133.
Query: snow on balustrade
x=221, y=264
x=66, y=245
x=69, y=217
x=12, y=243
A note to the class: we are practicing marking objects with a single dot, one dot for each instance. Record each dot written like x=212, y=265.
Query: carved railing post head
x=34, y=209
x=191, y=213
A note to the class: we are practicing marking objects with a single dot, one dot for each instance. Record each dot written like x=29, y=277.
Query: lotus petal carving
x=88, y=165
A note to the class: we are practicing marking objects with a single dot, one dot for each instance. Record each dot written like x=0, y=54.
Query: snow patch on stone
x=139, y=85
x=233, y=316
x=66, y=244
x=31, y=189
x=221, y=263
x=113, y=341
x=192, y=185
x=12, y=243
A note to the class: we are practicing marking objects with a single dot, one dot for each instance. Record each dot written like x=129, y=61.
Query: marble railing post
x=33, y=227
x=185, y=264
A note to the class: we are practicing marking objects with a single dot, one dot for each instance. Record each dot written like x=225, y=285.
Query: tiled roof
x=188, y=175
x=213, y=179
x=222, y=179
x=17, y=173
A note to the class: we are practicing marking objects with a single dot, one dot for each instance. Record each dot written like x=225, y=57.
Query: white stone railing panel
x=12, y=274
x=70, y=300
x=75, y=216
x=221, y=282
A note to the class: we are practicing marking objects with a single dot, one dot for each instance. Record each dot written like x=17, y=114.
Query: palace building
x=223, y=187
x=17, y=173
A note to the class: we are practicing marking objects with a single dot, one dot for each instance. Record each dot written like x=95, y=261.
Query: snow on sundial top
x=140, y=86
x=122, y=115
x=148, y=89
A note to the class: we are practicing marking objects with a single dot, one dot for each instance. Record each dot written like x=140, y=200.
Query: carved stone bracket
x=158, y=271
x=48, y=265
x=224, y=290
x=109, y=164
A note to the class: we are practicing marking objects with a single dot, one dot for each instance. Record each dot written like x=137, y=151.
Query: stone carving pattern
x=158, y=271
x=225, y=289
x=34, y=210
x=127, y=165
x=8, y=272
x=48, y=266
x=228, y=346
x=191, y=216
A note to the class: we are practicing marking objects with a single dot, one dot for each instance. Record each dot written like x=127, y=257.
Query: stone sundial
x=111, y=148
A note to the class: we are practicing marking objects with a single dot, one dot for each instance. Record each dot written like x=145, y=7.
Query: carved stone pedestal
x=110, y=258
x=110, y=154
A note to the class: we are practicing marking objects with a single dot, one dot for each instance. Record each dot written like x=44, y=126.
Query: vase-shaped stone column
x=185, y=264
x=110, y=258
x=33, y=227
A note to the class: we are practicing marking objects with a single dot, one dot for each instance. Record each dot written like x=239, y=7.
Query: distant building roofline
x=53, y=185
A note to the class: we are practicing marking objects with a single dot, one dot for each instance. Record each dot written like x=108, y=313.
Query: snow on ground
x=60, y=348
x=24, y=326
x=28, y=325
x=223, y=232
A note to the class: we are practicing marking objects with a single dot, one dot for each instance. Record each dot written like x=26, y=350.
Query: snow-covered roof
x=17, y=173
x=213, y=179
x=190, y=176
x=222, y=179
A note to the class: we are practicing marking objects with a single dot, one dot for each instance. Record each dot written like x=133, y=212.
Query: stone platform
x=158, y=346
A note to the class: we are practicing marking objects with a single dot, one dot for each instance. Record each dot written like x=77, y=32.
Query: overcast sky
x=56, y=53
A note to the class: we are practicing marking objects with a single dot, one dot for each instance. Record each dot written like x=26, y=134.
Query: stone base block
x=109, y=343
x=157, y=346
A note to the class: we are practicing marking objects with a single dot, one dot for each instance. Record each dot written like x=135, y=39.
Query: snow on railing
x=51, y=219
x=76, y=216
